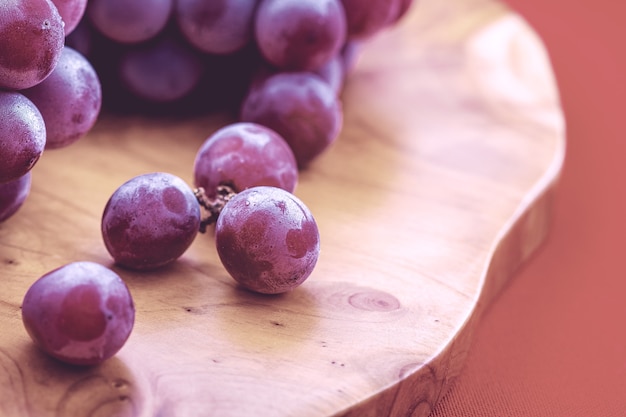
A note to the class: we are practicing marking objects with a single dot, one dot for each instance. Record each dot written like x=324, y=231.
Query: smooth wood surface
x=437, y=189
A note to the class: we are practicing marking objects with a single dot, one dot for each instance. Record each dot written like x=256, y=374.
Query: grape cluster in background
x=278, y=66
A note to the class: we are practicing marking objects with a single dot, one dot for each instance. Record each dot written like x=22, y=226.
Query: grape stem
x=214, y=205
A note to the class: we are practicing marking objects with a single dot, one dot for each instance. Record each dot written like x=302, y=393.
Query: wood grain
x=437, y=189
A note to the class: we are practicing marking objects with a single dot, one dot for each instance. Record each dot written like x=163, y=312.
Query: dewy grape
x=22, y=135
x=31, y=34
x=150, y=221
x=81, y=313
x=267, y=240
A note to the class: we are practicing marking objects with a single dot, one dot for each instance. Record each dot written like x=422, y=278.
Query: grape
x=71, y=12
x=150, y=221
x=13, y=194
x=333, y=73
x=127, y=21
x=403, y=7
x=22, y=135
x=267, y=240
x=31, y=38
x=365, y=18
x=161, y=71
x=216, y=26
x=350, y=55
x=81, y=313
x=69, y=99
x=244, y=155
x=301, y=107
x=300, y=35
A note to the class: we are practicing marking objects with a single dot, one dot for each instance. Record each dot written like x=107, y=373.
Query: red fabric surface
x=554, y=342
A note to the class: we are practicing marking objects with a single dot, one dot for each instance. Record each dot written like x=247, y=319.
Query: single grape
x=161, y=71
x=22, y=135
x=216, y=26
x=301, y=107
x=81, y=313
x=267, y=240
x=150, y=221
x=333, y=72
x=244, y=155
x=71, y=12
x=69, y=99
x=366, y=18
x=31, y=38
x=13, y=194
x=300, y=35
x=127, y=21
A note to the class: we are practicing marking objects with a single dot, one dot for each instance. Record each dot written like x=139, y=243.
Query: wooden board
x=437, y=189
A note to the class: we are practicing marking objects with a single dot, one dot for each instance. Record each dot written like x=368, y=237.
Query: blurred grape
x=13, y=194
x=216, y=26
x=300, y=35
x=301, y=107
x=129, y=21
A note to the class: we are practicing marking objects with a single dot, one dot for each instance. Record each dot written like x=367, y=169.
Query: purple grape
x=127, y=21
x=69, y=99
x=13, y=194
x=350, y=54
x=333, y=72
x=161, y=71
x=402, y=9
x=244, y=155
x=22, y=135
x=267, y=240
x=366, y=18
x=81, y=313
x=31, y=38
x=216, y=26
x=300, y=35
x=301, y=107
x=71, y=12
x=150, y=221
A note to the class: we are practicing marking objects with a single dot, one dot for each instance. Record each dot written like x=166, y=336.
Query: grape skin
x=22, y=135
x=301, y=107
x=71, y=12
x=69, y=99
x=32, y=36
x=150, y=221
x=163, y=70
x=128, y=21
x=267, y=240
x=13, y=194
x=300, y=35
x=81, y=313
x=244, y=155
x=216, y=26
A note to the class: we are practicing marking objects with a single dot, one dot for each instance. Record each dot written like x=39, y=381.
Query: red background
x=554, y=342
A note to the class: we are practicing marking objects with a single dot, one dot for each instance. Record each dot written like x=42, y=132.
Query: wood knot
x=373, y=300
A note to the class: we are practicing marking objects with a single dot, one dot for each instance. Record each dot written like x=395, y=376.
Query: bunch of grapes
x=279, y=65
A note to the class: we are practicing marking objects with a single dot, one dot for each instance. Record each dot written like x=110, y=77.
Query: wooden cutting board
x=436, y=191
